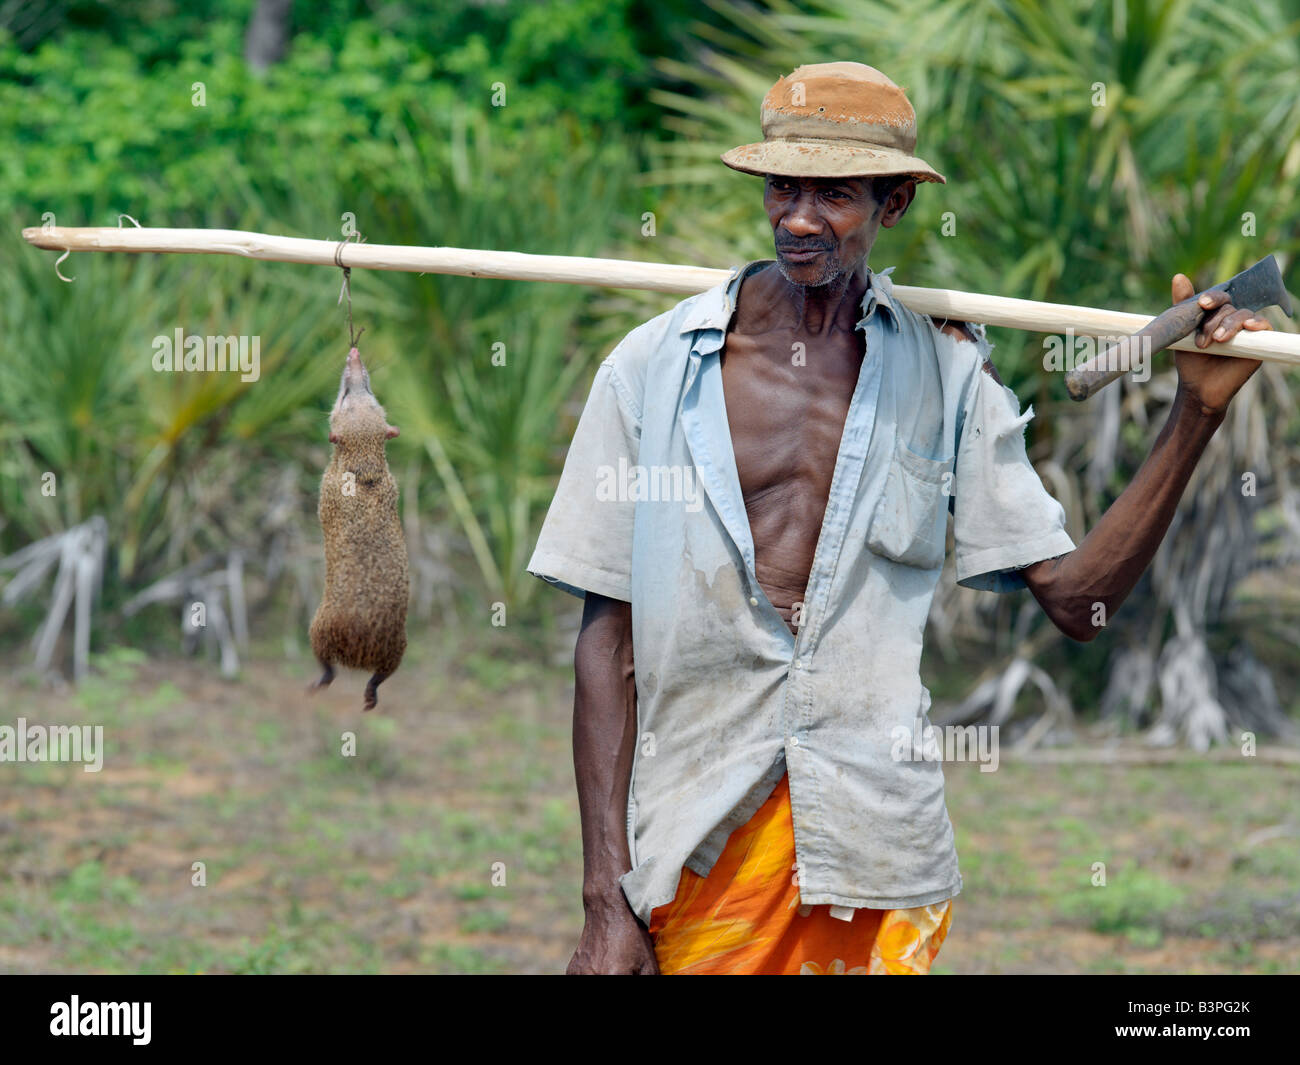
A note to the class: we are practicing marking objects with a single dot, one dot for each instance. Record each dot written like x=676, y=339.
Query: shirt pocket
x=908, y=523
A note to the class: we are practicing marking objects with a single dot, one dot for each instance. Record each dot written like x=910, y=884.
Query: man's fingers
x=1211, y=323
x=1208, y=301
x=1222, y=321
x=1231, y=325
x=1227, y=322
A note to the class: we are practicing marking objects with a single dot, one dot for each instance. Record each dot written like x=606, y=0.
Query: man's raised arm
x=604, y=744
x=1081, y=591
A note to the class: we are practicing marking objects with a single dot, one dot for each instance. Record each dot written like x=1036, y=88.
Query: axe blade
x=1260, y=286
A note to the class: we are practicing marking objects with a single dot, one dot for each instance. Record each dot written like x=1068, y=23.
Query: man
x=756, y=501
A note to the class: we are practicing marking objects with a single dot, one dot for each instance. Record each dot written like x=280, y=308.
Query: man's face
x=825, y=227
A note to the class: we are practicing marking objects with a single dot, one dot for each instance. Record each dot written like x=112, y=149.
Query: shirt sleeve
x=1003, y=516
x=586, y=540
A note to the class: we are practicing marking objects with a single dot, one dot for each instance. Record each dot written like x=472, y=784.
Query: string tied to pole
x=68, y=251
x=346, y=289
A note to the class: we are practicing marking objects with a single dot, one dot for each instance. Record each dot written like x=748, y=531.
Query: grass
x=382, y=861
x=449, y=841
x=1185, y=888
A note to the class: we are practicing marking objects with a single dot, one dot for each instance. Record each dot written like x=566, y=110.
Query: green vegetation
x=1091, y=151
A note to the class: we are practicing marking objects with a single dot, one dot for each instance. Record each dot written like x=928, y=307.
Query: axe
x=1260, y=286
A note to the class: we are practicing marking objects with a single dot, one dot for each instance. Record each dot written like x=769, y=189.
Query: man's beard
x=831, y=268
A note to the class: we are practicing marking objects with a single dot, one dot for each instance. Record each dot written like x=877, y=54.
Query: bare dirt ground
x=449, y=841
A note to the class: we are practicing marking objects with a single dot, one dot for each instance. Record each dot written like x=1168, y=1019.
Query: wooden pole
x=1003, y=311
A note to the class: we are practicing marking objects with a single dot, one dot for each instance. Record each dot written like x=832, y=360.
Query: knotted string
x=346, y=289
x=68, y=251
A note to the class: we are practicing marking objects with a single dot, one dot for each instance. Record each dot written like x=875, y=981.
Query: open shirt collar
x=713, y=308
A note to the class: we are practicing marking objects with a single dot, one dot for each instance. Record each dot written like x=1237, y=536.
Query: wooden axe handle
x=1131, y=351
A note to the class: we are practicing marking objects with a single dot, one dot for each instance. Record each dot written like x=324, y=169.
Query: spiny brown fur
x=361, y=621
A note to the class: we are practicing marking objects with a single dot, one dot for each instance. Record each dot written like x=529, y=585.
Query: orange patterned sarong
x=745, y=917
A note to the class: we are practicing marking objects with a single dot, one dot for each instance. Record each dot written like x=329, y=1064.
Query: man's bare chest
x=787, y=401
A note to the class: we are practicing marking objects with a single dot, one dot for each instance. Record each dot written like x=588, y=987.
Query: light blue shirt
x=649, y=510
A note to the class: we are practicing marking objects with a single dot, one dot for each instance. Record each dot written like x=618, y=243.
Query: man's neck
x=819, y=310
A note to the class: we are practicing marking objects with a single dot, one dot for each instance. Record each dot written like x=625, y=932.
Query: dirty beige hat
x=834, y=120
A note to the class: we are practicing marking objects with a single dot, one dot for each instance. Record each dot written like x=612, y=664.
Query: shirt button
x=794, y=741
x=798, y=663
x=753, y=601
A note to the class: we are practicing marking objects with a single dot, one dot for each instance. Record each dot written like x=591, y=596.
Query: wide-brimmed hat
x=834, y=120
